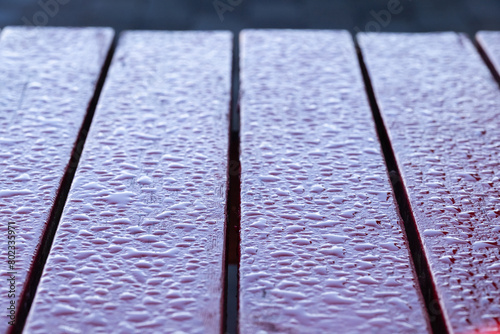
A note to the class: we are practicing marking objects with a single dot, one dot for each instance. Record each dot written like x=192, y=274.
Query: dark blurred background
x=355, y=15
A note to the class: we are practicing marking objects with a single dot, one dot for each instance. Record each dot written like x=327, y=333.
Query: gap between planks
x=232, y=247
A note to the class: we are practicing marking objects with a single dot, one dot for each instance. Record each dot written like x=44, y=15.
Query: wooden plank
x=322, y=248
x=441, y=105
x=47, y=79
x=140, y=246
x=489, y=41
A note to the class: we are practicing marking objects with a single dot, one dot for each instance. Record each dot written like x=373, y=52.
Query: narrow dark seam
x=232, y=241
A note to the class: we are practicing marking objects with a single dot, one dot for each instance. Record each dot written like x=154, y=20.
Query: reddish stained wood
x=140, y=246
x=441, y=105
x=322, y=248
x=48, y=77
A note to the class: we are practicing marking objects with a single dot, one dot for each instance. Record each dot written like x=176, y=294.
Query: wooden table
x=366, y=190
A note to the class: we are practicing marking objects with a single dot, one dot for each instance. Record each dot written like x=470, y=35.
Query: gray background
x=416, y=15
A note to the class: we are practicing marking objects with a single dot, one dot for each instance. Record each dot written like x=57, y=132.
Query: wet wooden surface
x=321, y=242
x=440, y=105
x=489, y=42
x=47, y=80
x=140, y=245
